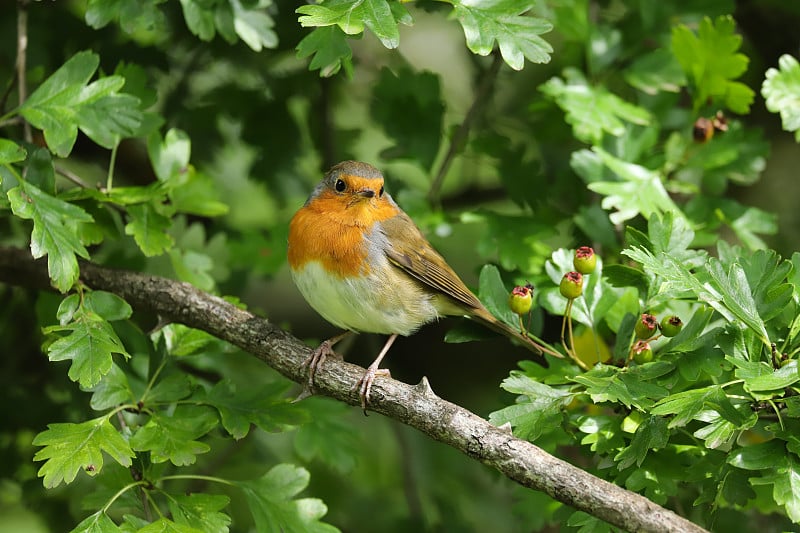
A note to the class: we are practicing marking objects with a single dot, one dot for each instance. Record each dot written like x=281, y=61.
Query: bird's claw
x=364, y=385
x=314, y=362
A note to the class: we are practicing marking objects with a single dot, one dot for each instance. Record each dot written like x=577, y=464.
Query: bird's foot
x=364, y=385
x=314, y=361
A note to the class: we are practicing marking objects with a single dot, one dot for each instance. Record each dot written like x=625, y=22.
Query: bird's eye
x=340, y=185
x=380, y=192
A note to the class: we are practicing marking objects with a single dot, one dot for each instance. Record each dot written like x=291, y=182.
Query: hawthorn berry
x=585, y=260
x=571, y=285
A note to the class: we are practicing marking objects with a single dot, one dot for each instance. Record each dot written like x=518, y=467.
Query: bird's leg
x=364, y=385
x=318, y=356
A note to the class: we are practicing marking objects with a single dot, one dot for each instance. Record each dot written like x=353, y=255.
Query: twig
x=22, y=50
x=416, y=406
x=460, y=136
x=71, y=176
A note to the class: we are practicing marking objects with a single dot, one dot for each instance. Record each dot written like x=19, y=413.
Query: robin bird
x=363, y=264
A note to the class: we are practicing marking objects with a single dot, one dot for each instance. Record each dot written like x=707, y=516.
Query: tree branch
x=22, y=55
x=460, y=136
x=416, y=406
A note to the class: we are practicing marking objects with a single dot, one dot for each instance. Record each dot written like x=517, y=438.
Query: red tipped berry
x=571, y=285
x=646, y=326
x=520, y=299
x=642, y=353
x=671, y=326
x=585, y=260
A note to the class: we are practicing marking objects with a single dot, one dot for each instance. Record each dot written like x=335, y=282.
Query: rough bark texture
x=416, y=406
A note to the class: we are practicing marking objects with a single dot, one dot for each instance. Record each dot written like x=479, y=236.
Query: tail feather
x=487, y=319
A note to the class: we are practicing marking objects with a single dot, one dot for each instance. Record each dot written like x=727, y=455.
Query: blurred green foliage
x=177, y=138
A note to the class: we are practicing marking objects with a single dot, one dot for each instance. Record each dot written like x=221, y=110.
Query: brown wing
x=413, y=254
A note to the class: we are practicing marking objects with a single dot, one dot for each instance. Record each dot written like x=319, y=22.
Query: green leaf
x=785, y=481
x=656, y=71
x=55, y=231
x=112, y=390
x=536, y=411
x=781, y=378
x=11, y=152
x=691, y=337
x=688, y=404
x=107, y=305
x=781, y=90
x=99, y=522
x=494, y=295
x=168, y=389
x=767, y=276
x=711, y=61
x=638, y=191
x=134, y=16
x=351, y=17
x=170, y=157
x=737, y=295
x=263, y=406
x=327, y=435
x=199, y=19
x=340, y=13
x=110, y=118
x=330, y=50
x=758, y=456
x=651, y=434
x=149, y=229
x=592, y=111
x=254, y=26
x=409, y=107
x=271, y=501
x=504, y=21
x=89, y=344
x=628, y=386
x=197, y=194
x=200, y=511
x=165, y=525
x=518, y=241
x=52, y=106
x=727, y=292
x=378, y=17
x=72, y=447
x=172, y=438
x=64, y=103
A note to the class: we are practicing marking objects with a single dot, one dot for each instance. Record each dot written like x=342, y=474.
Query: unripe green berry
x=521, y=299
x=646, y=327
x=585, y=260
x=571, y=285
x=671, y=326
x=642, y=353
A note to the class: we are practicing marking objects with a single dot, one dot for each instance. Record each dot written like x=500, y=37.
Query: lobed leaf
x=592, y=111
x=272, y=504
x=504, y=22
x=172, y=438
x=72, y=447
x=781, y=90
x=329, y=50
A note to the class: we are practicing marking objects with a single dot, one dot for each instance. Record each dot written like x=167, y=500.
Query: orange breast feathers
x=331, y=232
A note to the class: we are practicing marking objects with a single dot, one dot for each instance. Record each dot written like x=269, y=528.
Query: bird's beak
x=366, y=193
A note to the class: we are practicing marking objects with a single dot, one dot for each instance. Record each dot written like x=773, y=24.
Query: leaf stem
x=153, y=379
x=71, y=176
x=198, y=477
x=461, y=134
x=120, y=492
x=111, y=163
